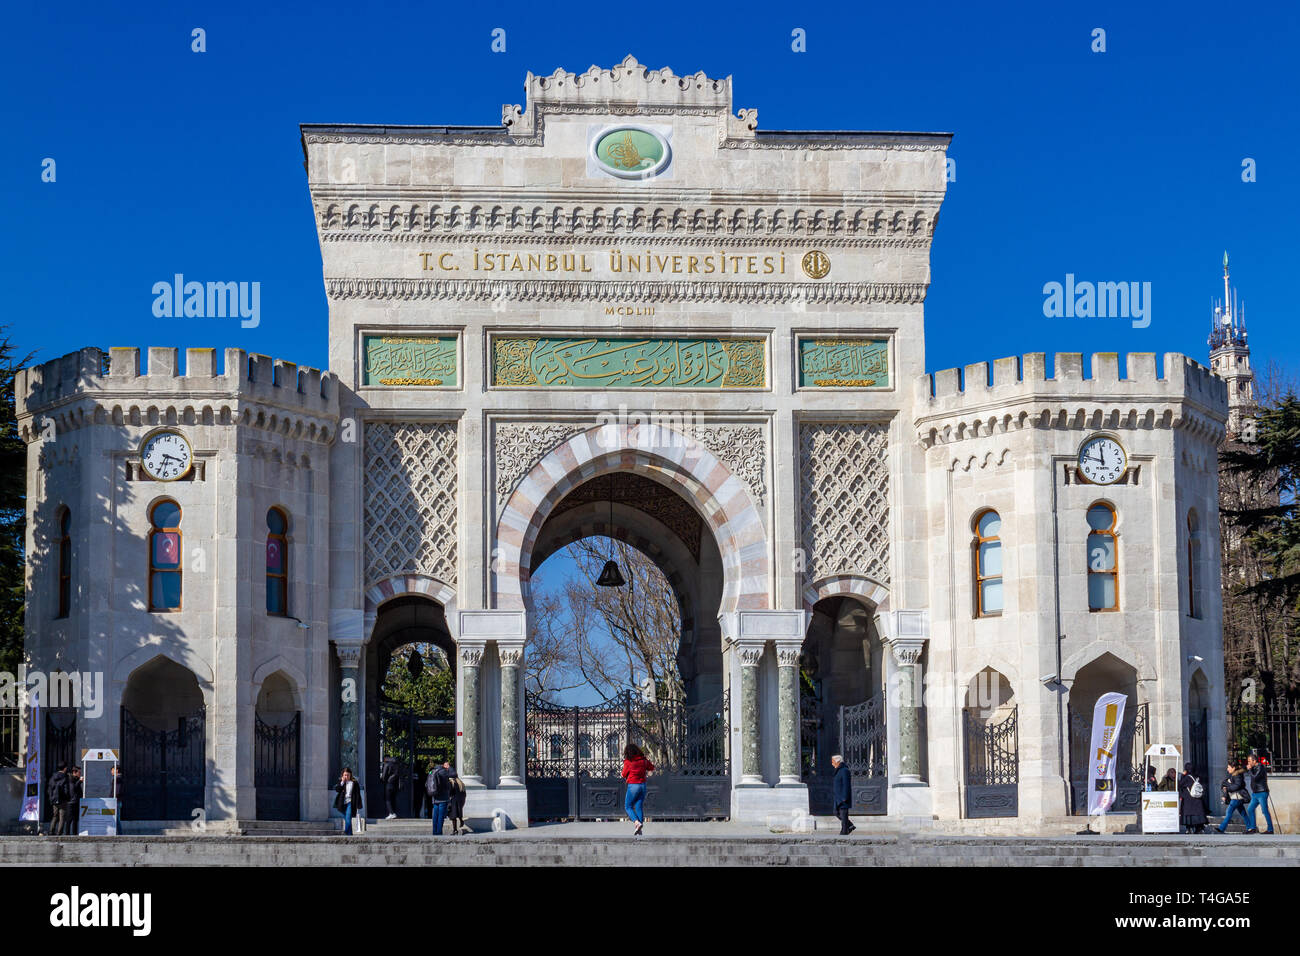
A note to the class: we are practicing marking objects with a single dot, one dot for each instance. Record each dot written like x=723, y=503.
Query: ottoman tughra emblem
x=816, y=264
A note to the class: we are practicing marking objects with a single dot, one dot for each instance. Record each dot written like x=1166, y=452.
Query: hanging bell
x=610, y=576
x=415, y=664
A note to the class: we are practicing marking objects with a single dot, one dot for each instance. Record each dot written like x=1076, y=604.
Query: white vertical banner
x=1107, y=719
x=32, y=789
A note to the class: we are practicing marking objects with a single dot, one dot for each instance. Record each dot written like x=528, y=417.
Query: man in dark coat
x=842, y=785
x=438, y=786
x=59, y=789
x=1191, y=810
x=1257, y=787
x=390, y=776
x=72, y=823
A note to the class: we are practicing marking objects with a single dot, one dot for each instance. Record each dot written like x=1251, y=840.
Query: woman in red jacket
x=635, y=768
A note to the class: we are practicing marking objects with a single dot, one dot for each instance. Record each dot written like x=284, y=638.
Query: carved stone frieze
x=844, y=503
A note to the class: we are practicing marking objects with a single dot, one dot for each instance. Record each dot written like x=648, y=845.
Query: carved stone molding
x=907, y=650
x=349, y=653
x=519, y=446
x=742, y=448
x=546, y=290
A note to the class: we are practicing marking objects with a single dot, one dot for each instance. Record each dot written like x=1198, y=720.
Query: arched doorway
x=842, y=706
x=1198, y=725
x=410, y=701
x=992, y=752
x=663, y=687
x=277, y=741
x=1102, y=675
x=163, y=743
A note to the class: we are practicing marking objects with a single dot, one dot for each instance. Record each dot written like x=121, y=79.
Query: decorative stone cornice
x=549, y=290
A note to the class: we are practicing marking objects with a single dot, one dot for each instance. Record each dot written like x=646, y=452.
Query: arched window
x=1194, y=552
x=584, y=747
x=165, y=557
x=65, y=562
x=277, y=563
x=611, y=747
x=557, y=747
x=987, y=551
x=1103, y=559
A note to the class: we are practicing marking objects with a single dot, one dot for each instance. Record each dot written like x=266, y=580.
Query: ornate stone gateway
x=575, y=758
x=992, y=766
x=165, y=769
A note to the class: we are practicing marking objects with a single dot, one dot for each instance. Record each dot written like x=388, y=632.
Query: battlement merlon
x=91, y=373
x=955, y=401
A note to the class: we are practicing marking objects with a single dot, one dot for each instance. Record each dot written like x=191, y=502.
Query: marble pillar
x=471, y=688
x=907, y=655
x=751, y=767
x=349, y=654
x=787, y=658
x=511, y=655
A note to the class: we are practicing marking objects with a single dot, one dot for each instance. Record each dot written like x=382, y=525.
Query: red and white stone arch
x=869, y=592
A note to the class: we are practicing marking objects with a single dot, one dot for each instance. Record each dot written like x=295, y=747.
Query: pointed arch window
x=65, y=562
x=1195, y=559
x=165, y=556
x=277, y=563
x=987, y=554
x=1103, y=559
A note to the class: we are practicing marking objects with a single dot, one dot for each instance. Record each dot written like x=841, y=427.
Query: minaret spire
x=1230, y=355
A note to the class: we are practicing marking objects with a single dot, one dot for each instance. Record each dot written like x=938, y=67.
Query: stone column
x=471, y=660
x=349, y=653
x=907, y=655
x=511, y=654
x=751, y=766
x=787, y=658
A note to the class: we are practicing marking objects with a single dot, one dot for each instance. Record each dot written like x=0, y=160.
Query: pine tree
x=13, y=506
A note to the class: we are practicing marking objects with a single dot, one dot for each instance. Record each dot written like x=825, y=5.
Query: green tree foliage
x=1265, y=518
x=431, y=694
x=13, y=502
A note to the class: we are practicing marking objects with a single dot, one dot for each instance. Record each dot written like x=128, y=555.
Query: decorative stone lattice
x=519, y=446
x=410, y=511
x=742, y=448
x=844, y=507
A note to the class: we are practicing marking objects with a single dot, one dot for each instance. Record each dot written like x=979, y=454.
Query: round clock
x=166, y=456
x=1102, y=461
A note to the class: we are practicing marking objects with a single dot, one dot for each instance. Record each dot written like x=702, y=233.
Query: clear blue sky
x=1117, y=166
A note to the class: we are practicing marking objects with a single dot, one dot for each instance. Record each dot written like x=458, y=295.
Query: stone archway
x=277, y=747
x=164, y=750
x=991, y=757
x=1103, y=674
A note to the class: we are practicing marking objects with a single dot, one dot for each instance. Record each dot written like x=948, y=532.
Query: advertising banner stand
x=98, y=814
x=1160, y=807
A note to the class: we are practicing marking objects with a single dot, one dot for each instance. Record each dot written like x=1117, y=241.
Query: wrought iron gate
x=992, y=766
x=276, y=769
x=1198, y=746
x=416, y=741
x=1134, y=738
x=574, y=758
x=863, y=747
x=60, y=747
x=164, y=771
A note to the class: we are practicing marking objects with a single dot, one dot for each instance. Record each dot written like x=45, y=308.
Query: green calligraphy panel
x=843, y=363
x=409, y=360
x=641, y=362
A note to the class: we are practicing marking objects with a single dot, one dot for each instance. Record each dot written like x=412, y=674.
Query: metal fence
x=1273, y=728
x=9, y=731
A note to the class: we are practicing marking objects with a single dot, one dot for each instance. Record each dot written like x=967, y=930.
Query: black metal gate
x=863, y=747
x=417, y=742
x=164, y=771
x=574, y=758
x=1198, y=746
x=1130, y=758
x=992, y=766
x=276, y=769
x=60, y=747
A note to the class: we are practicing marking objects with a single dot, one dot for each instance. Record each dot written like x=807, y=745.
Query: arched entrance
x=163, y=743
x=1198, y=724
x=666, y=691
x=410, y=700
x=1105, y=674
x=992, y=736
x=277, y=741
x=842, y=705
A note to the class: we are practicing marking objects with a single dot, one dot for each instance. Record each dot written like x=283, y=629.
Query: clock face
x=166, y=456
x=1102, y=461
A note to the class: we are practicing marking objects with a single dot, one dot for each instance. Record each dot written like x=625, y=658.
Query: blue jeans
x=347, y=818
x=439, y=814
x=1234, y=806
x=634, y=803
x=1258, y=800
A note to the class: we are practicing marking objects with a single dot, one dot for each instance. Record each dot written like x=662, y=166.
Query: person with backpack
x=1234, y=795
x=635, y=769
x=1191, y=802
x=438, y=786
x=60, y=791
x=456, y=805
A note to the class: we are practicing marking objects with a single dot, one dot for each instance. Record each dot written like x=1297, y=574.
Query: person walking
x=71, y=824
x=347, y=799
x=842, y=786
x=438, y=786
x=635, y=769
x=388, y=776
x=456, y=804
x=1234, y=795
x=1191, y=801
x=59, y=788
x=1257, y=786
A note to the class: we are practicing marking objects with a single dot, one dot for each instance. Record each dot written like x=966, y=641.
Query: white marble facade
x=441, y=489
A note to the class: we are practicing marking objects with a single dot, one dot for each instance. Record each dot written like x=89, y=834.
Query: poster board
x=98, y=812
x=1160, y=807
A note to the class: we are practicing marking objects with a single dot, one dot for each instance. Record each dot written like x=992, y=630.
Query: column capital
x=750, y=652
x=471, y=652
x=907, y=650
x=787, y=653
x=349, y=652
x=511, y=652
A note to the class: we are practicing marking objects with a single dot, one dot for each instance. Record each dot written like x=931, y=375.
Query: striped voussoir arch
x=866, y=590
x=398, y=584
x=682, y=464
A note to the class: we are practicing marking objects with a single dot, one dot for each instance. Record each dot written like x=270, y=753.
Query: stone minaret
x=1230, y=358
